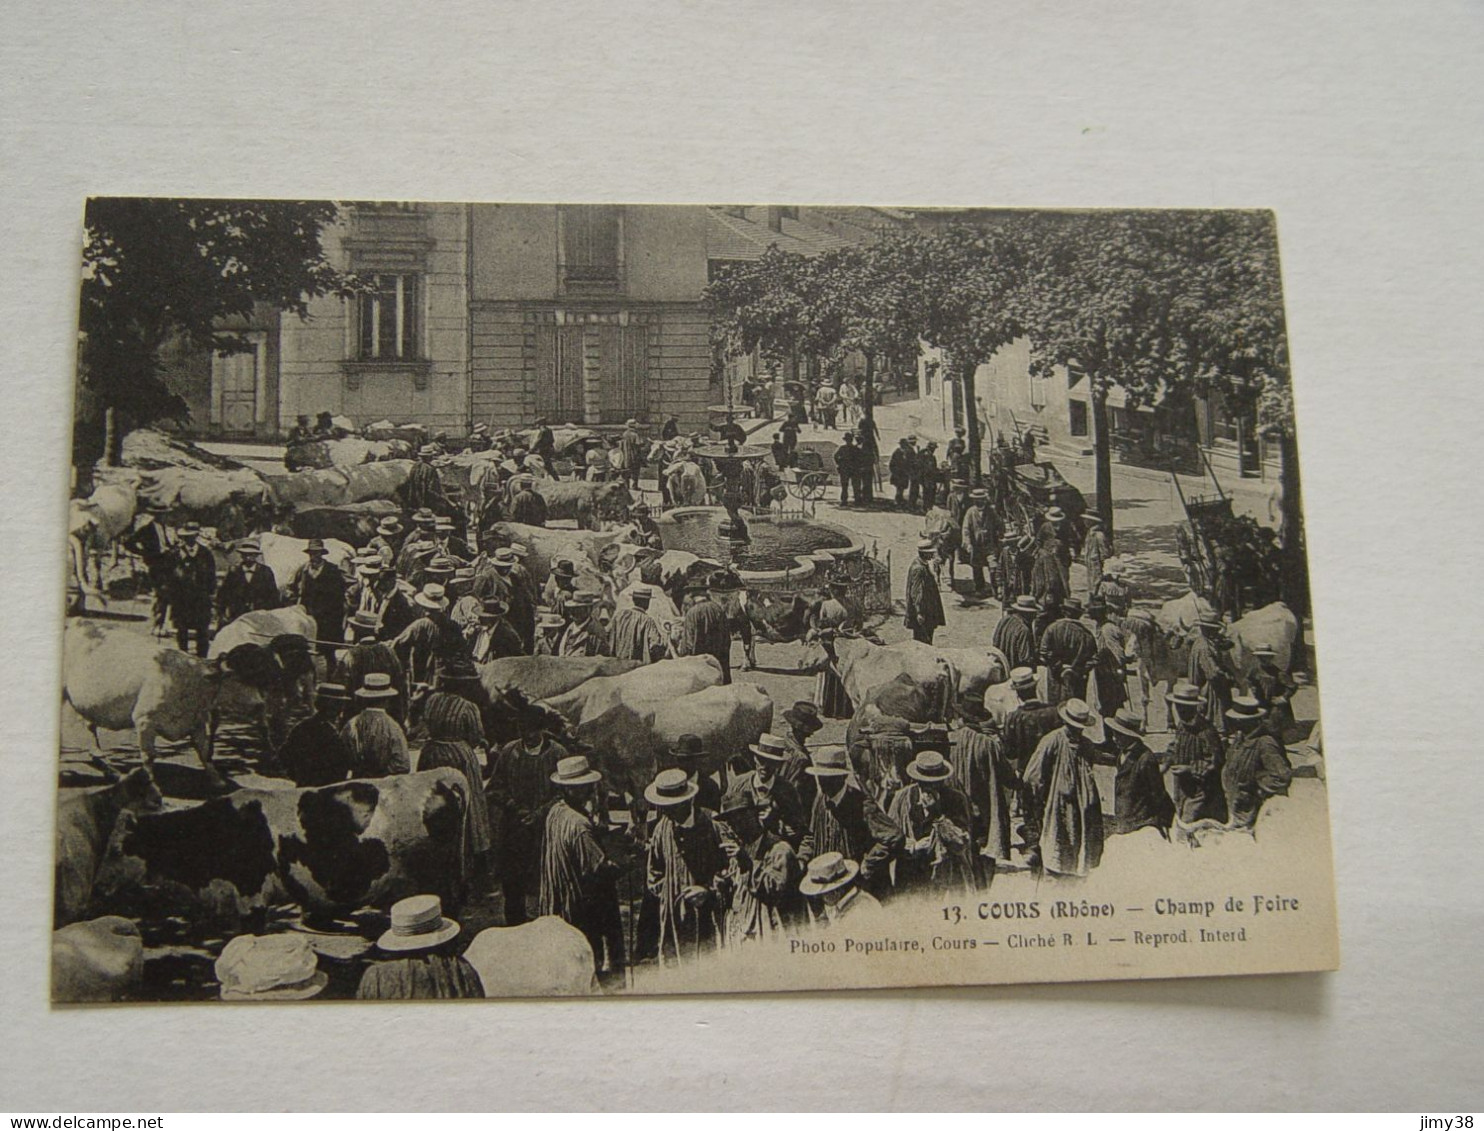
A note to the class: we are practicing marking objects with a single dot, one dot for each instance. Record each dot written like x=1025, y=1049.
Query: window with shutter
x=592, y=246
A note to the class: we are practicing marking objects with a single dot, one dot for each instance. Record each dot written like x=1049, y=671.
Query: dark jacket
x=238, y=594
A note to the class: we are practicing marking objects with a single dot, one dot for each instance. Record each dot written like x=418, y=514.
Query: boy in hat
x=1140, y=800
x=192, y=587
x=320, y=588
x=834, y=881
x=762, y=874
x=938, y=851
x=645, y=527
x=846, y=820
x=685, y=868
x=1256, y=766
x=774, y=798
x=376, y=742
x=520, y=788
x=579, y=882
x=1015, y=636
x=247, y=587
x=1194, y=757
x=1064, y=817
x=924, y=614
x=423, y=963
x=314, y=752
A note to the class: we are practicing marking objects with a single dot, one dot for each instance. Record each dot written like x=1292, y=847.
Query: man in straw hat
x=1140, y=800
x=1064, y=818
x=1210, y=668
x=583, y=636
x=848, y=821
x=1115, y=647
x=705, y=631
x=520, y=789
x=685, y=866
x=980, y=536
x=634, y=634
x=1014, y=634
x=366, y=655
x=247, y=586
x=387, y=540
x=320, y=588
x=1274, y=689
x=1048, y=583
x=1096, y=549
x=376, y=741
x=924, y=614
x=192, y=586
x=833, y=881
x=775, y=799
x=933, y=816
x=314, y=752
x=762, y=874
x=1194, y=757
x=1014, y=574
x=424, y=966
x=280, y=967
x=578, y=879
x=985, y=775
x=432, y=648
x=1256, y=766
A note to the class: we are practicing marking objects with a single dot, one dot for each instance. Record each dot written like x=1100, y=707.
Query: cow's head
x=612, y=500
x=138, y=793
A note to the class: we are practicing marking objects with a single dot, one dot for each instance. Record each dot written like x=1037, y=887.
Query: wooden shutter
x=559, y=373
x=623, y=353
x=546, y=371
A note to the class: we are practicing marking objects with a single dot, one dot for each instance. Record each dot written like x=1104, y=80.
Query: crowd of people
x=796, y=835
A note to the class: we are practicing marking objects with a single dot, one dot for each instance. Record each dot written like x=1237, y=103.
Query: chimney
x=775, y=218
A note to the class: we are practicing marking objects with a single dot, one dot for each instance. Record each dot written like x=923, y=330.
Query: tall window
x=590, y=243
x=389, y=318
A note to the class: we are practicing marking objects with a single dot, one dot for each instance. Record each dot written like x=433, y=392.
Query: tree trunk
x=1102, y=455
x=112, y=441
x=1295, y=558
x=971, y=421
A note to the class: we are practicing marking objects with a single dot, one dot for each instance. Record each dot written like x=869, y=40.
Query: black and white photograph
x=504, y=600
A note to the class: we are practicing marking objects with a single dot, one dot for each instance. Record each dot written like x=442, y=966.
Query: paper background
x=1359, y=123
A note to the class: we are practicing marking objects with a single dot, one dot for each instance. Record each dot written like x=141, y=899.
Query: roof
x=733, y=237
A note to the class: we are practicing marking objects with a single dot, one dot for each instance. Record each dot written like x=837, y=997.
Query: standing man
x=847, y=821
x=376, y=741
x=938, y=849
x=366, y=655
x=924, y=614
x=387, y=541
x=1015, y=636
x=645, y=527
x=544, y=449
x=685, y=867
x=314, y=753
x=705, y=631
x=1069, y=651
x=582, y=636
x=491, y=636
x=1209, y=668
x=847, y=462
x=1140, y=800
x=526, y=506
x=1065, y=817
x=151, y=541
x=377, y=596
x=901, y=468
x=1096, y=549
x=634, y=634
x=579, y=883
x=1048, y=582
x=631, y=453
x=985, y=777
x=521, y=785
x=320, y=588
x=192, y=587
x=1111, y=665
x=247, y=587
x=1256, y=766
x=431, y=648
x=1194, y=758
x=1031, y=720
x=927, y=475
x=980, y=536
x=762, y=875
x=775, y=800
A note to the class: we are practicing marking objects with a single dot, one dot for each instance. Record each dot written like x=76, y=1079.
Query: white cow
x=283, y=555
x=100, y=960
x=666, y=679
x=547, y=957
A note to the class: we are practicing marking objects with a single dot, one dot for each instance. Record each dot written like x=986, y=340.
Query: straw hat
x=575, y=771
x=1244, y=708
x=1075, y=712
x=503, y=558
x=376, y=685
x=1055, y=514
x=929, y=766
x=249, y=546
x=433, y=596
x=770, y=748
x=670, y=787
x=364, y=622
x=269, y=968
x=391, y=524
x=641, y=594
x=829, y=762
x=1022, y=679
x=418, y=923
x=189, y=531
x=827, y=872
x=332, y=693
x=1126, y=722
x=1025, y=603
x=1184, y=694
x=550, y=620
x=442, y=566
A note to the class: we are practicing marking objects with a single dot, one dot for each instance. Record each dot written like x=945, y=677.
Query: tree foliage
x=157, y=269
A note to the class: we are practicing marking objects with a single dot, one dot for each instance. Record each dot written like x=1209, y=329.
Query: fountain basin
x=782, y=551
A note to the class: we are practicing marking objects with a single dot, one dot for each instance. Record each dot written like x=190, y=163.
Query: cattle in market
x=261, y=626
x=587, y=504
x=631, y=736
x=1273, y=626
x=85, y=823
x=94, y=524
x=547, y=957
x=352, y=523
x=864, y=666
x=100, y=960
x=783, y=618
x=233, y=502
x=546, y=677
x=283, y=555
x=117, y=679
x=349, y=451
x=336, y=486
x=332, y=850
x=668, y=678
x=1161, y=638
x=547, y=545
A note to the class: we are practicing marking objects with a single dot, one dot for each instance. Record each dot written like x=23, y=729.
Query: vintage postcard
x=495, y=600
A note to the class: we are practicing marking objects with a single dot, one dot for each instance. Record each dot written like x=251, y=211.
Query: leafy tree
x=157, y=269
